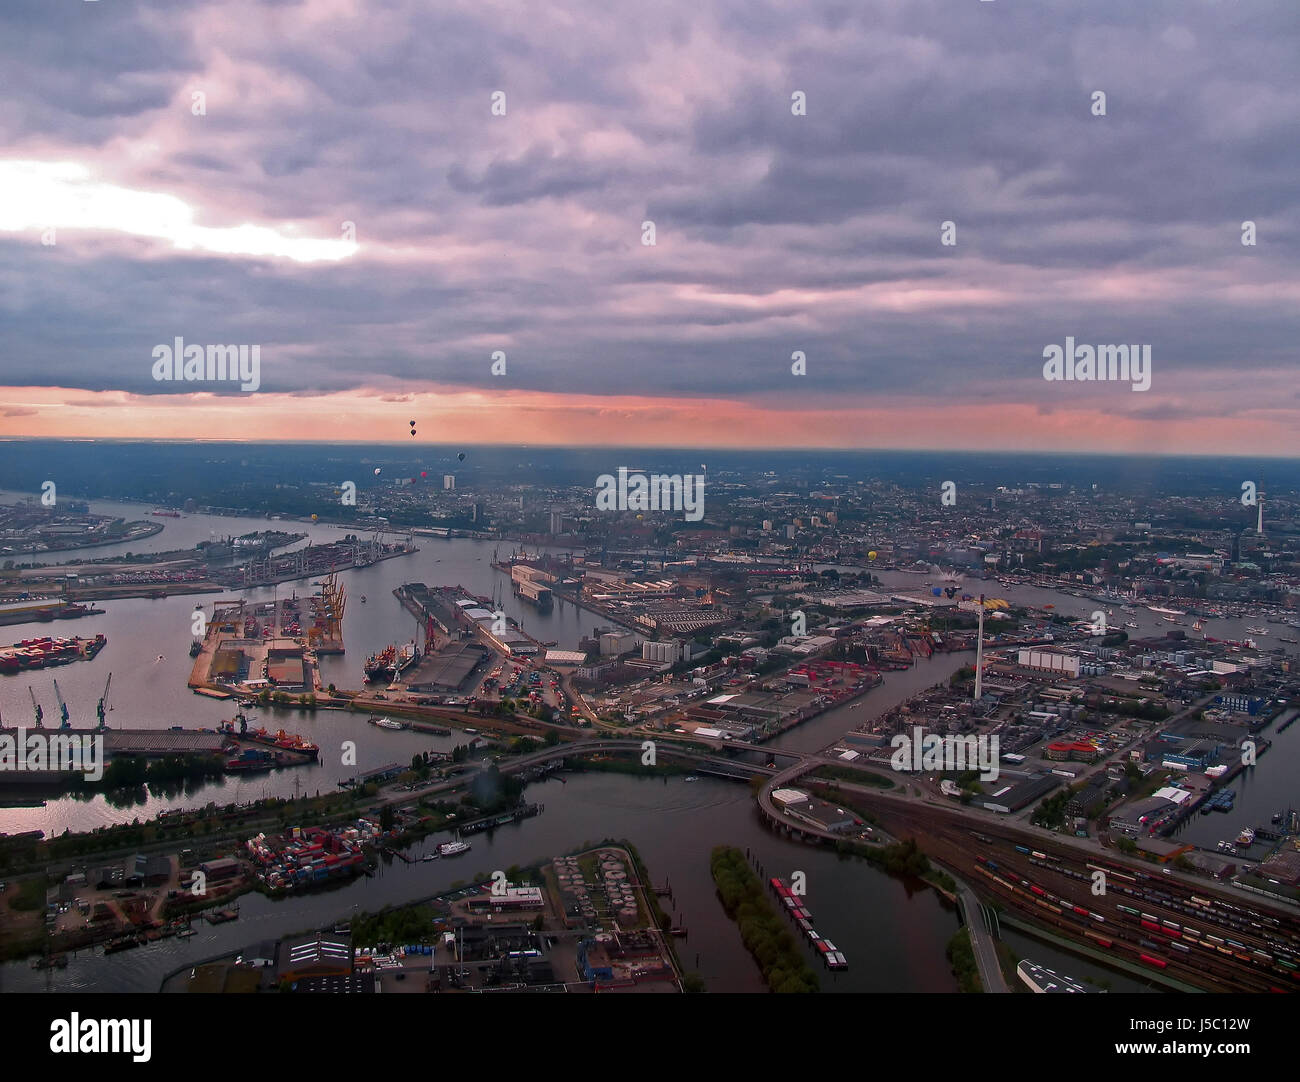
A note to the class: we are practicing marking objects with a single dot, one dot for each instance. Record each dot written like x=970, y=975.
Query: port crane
x=63, y=708
x=103, y=703
x=37, y=706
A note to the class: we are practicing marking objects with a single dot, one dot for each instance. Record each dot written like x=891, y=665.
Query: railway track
x=1196, y=934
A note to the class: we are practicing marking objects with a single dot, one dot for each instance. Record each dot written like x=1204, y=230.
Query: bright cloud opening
x=64, y=195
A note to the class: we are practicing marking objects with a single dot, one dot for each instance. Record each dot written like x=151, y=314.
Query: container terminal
x=273, y=644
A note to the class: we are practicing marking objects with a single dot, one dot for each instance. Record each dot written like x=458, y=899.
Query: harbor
x=253, y=647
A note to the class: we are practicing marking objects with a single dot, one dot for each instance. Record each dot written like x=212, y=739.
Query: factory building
x=1050, y=661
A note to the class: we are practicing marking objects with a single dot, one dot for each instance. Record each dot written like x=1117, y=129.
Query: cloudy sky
x=196, y=164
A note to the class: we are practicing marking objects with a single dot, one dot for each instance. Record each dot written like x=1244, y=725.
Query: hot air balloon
x=423, y=473
x=376, y=471
x=314, y=518
x=872, y=555
x=461, y=456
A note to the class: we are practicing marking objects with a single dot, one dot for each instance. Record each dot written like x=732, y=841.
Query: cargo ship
x=380, y=665
x=1221, y=801
x=41, y=653
x=391, y=662
x=280, y=739
x=47, y=612
x=163, y=513
x=251, y=761
x=407, y=656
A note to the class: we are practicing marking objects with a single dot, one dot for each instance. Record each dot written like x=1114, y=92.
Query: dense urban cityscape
x=702, y=499
x=1103, y=669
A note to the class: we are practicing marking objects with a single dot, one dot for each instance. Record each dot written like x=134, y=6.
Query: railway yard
x=1193, y=933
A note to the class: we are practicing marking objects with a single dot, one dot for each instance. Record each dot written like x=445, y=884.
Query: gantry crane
x=63, y=708
x=103, y=703
x=36, y=706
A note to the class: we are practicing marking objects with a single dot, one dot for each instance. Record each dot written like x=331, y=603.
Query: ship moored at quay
x=390, y=662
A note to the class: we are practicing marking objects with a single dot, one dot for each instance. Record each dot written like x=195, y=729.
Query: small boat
x=1130, y=623
x=690, y=777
